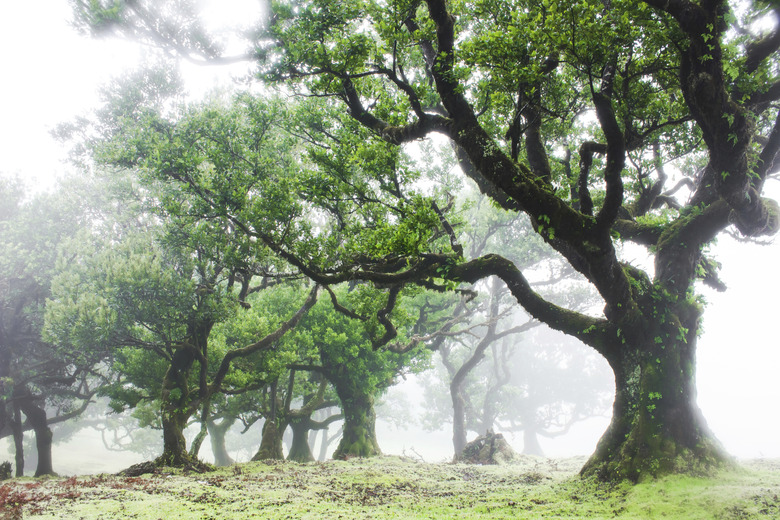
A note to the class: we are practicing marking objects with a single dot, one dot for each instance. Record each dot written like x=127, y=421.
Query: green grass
x=392, y=487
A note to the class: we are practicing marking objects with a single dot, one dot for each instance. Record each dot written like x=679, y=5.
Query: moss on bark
x=657, y=427
x=359, y=437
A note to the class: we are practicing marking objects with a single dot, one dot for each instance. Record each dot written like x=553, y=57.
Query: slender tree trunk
x=174, y=410
x=18, y=433
x=459, y=379
x=197, y=442
x=458, y=418
x=359, y=436
x=657, y=427
x=300, y=451
x=217, y=433
x=325, y=442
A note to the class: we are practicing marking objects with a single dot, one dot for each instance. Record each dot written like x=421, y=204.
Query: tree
x=640, y=92
x=152, y=298
x=538, y=384
x=343, y=352
x=37, y=378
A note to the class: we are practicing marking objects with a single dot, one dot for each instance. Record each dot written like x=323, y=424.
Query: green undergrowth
x=393, y=487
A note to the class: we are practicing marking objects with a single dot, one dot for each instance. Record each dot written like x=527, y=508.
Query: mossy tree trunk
x=657, y=427
x=359, y=435
x=271, y=446
x=217, y=433
x=300, y=451
x=175, y=410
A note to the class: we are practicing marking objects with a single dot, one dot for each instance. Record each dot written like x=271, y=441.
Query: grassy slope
x=391, y=487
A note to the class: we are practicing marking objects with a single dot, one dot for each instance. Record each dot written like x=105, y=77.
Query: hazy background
x=51, y=74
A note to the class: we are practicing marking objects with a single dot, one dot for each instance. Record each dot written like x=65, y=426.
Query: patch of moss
x=393, y=487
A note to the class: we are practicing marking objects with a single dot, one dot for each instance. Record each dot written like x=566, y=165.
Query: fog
x=52, y=75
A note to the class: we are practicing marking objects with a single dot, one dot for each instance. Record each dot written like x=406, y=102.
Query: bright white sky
x=51, y=74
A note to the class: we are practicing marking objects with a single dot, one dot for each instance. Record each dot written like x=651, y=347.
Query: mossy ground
x=392, y=487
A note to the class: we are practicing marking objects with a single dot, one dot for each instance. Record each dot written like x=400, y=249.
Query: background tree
x=38, y=380
x=344, y=354
x=538, y=384
x=160, y=294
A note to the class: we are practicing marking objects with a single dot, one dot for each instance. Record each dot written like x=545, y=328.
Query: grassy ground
x=392, y=487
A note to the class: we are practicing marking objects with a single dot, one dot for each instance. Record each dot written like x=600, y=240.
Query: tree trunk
x=174, y=410
x=458, y=418
x=18, y=434
x=197, y=442
x=531, y=444
x=359, y=436
x=217, y=434
x=657, y=427
x=300, y=451
x=174, y=444
x=271, y=442
x=325, y=442
x=43, y=437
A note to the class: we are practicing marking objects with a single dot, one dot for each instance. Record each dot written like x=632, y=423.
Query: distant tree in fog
x=536, y=383
x=41, y=384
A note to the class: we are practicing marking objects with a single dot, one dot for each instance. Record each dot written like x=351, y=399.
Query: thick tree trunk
x=43, y=437
x=271, y=443
x=657, y=427
x=359, y=436
x=217, y=433
x=531, y=444
x=174, y=444
x=300, y=451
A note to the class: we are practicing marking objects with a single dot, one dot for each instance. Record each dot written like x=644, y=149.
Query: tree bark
x=657, y=427
x=300, y=451
x=359, y=436
x=174, y=444
x=217, y=434
x=43, y=437
x=271, y=442
x=18, y=434
x=174, y=410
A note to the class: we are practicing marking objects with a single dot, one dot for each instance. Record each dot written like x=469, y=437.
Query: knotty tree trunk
x=359, y=436
x=657, y=427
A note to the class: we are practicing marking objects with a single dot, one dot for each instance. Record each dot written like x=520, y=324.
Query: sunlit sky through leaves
x=52, y=74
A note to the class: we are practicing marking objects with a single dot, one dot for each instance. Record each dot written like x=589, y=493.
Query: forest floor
x=395, y=487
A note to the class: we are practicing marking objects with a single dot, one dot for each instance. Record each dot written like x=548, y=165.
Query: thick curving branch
x=589, y=330
x=425, y=124
x=762, y=49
